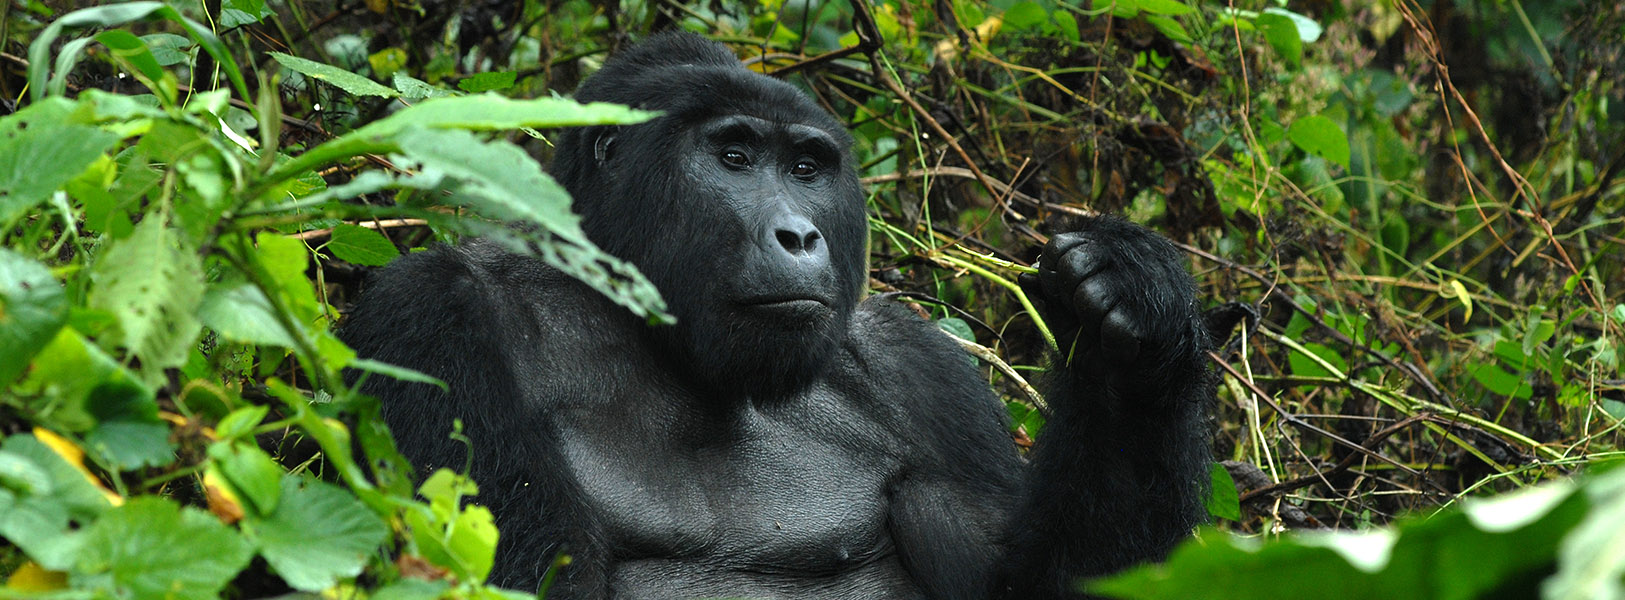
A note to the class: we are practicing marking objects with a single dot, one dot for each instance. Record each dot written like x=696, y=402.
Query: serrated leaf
x=32, y=309
x=502, y=182
x=153, y=548
x=318, y=534
x=41, y=150
x=242, y=313
x=486, y=82
x=355, y=85
x=1321, y=136
x=154, y=287
x=362, y=246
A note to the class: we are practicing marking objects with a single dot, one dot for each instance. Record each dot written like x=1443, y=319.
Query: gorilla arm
x=456, y=313
x=1120, y=470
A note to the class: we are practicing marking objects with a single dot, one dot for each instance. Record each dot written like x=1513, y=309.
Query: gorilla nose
x=798, y=236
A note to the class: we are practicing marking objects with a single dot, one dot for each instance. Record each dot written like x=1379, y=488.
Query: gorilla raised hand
x=783, y=439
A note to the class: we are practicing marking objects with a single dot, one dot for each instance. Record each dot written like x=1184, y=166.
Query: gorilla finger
x=1059, y=246
x=1094, y=299
x=1120, y=335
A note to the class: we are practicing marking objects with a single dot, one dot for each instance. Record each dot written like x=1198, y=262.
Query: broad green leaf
x=957, y=327
x=1025, y=14
x=32, y=309
x=168, y=48
x=355, y=85
x=234, y=13
x=1502, y=546
x=242, y=313
x=130, y=444
x=40, y=495
x=1307, y=29
x=412, y=589
x=1307, y=367
x=1321, y=136
x=284, y=260
x=1282, y=35
x=1591, y=560
x=502, y=182
x=131, y=52
x=318, y=534
x=255, y=477
x=42, y=82
x=486, y=82
x=1170, y=28
x=41, y=150
x=1131, y=8
x=74, y=379
x=153, y=548
x=361, y=246
x=241, y=422
x=1222, y=500
x=154, y=286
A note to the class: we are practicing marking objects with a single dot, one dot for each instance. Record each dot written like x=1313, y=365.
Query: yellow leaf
x=75, y=456
x=1459, y=292
x=33, y=578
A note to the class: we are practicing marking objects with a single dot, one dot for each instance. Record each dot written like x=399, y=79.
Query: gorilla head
x=741, y=203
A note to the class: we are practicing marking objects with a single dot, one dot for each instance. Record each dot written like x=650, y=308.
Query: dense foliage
x=1412, y=209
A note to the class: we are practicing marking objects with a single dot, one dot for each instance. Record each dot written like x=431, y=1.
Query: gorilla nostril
x=789, y=241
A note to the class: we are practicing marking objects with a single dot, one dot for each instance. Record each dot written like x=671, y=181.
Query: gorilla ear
x=602, y=146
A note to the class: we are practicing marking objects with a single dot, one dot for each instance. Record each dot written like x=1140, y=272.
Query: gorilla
x=785, y=438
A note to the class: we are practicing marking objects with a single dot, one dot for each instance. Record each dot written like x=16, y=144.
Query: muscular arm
x=448, y=313
x=1119, y=472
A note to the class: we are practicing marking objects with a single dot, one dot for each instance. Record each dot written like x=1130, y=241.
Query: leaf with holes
x=154, y=287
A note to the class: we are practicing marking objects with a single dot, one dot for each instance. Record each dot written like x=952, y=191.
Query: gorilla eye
x=804, y=168
x=735, y=158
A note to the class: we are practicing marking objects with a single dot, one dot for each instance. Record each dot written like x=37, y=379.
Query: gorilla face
x=741, y=204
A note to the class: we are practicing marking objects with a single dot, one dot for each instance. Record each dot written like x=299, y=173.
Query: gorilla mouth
x=797, y=308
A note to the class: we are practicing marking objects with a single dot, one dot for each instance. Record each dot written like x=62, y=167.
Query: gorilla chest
x=790, y=489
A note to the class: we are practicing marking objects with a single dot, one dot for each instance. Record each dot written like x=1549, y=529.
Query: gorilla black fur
x=784, y=439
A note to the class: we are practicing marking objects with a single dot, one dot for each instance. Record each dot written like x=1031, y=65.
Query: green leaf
x=41, y=150
x=361, y=246
x=32, y=309
x=284, y=259
x=397, y=372
x=1156, y=7
x=460, y=537
x=241, y=422
x=502, y=182
x=1025, y=15
x=1223, y=501
x=1282, y=35
x=1307, y=29
x=235, y=13
x=72, y=375
x=355, y=85
x=37, y=520
x=168, y=48
x=485, y=82
x=957, y=327
x=255, y=477
x=154, y=286
x=1170, y=28
x=416, y=89
x=1304, y=366
x=152, y=548
x=242, y=313
x=318, y=534
x=1591, y=559
x=1321, y=136
x=41, y=81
